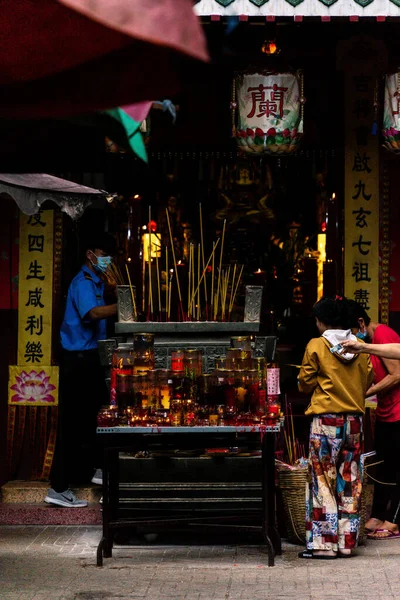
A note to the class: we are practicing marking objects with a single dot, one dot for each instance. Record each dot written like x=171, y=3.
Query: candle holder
x=125, y=308
x=253, y=301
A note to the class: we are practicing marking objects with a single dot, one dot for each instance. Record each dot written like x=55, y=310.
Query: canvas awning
x=31, y=190
x=350, y=9
x=69, y=57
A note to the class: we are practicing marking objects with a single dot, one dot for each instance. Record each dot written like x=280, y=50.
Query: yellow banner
x=35, y=294
x=33, y=386
x=361, y=213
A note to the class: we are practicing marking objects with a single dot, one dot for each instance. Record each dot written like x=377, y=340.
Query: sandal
x=310, y=554
x=387, y=534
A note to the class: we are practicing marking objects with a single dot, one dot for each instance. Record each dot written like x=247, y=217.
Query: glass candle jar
x=154, y=392
x=243, y=342
x=206, y=385
x=232, y=357
x=177, y=357
x=252, y=387
x=121, y=363
x=137, y=385
x=143, y=351
x=220, y=362
x=226, y=382
x=193, y=363
x=179, y=385
x=273, y=410
x=241, y=391
x=125, y=392
x=189, y=413
x=107, y=416
x=176, y=413
x=164, y=386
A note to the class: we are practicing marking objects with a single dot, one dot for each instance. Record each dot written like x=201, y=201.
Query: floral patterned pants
x=333, y=498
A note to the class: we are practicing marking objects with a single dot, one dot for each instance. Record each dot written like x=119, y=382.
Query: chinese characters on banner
x=361, y=191
x=270, y=112
x=35, y=296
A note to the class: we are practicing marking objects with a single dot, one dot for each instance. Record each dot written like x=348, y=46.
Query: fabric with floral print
x=333, y=497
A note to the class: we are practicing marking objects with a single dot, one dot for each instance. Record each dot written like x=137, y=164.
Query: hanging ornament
x=391, y=113
x=268, y=111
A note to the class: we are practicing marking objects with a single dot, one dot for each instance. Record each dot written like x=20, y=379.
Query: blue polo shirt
x=77, y=331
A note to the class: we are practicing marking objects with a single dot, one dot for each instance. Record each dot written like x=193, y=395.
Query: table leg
x=268, y=450
x=105, y=545
x=100, y=549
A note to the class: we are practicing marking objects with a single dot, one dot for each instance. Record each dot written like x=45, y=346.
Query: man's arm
x=101, y=312
x=390, y=381
x=382, y=350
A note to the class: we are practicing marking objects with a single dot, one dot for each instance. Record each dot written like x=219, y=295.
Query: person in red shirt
x=385, y=514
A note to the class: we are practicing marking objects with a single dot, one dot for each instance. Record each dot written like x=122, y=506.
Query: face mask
x=362, y=335
x=103, y=262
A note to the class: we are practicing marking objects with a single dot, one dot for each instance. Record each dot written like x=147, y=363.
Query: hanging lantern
x=391, y=113
x=267, y=112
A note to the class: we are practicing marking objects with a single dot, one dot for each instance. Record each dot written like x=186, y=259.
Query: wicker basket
x=292, y=484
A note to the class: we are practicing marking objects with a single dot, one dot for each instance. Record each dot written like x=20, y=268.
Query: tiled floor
x=59, y=563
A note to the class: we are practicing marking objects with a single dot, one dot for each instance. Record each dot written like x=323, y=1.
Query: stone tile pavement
x=59, y=563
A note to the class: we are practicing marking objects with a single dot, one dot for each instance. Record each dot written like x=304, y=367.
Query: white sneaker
x=98, y=477
x=66, y=499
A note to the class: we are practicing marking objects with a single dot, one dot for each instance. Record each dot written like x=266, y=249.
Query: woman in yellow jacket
x=337, y=383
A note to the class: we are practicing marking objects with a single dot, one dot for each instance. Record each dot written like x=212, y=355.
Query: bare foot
x=390, y=526
x=324, y=552
x=373, y=524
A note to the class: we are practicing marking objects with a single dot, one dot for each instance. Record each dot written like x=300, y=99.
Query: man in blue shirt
x=82, y=379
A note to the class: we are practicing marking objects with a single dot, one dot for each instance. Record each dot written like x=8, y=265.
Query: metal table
x=132, y=439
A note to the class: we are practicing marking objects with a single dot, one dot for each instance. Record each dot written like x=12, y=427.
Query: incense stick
x=212, y=282
x=166, y=283
x=174, y=258
x=150, y=270
x=158, y=285
x=132, y=293
x=203, y=258
x=143, y=278
x=220, y=269
x=169, y=295
x=189, y=279
x=205, y=268
x=231, y=296
x=237, y=286
x=198, y=279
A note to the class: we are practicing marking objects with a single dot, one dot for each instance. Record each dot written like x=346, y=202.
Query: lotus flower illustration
x=33, y=387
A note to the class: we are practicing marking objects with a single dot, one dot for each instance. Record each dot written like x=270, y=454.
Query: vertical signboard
x=35, y=298
x=361, y=247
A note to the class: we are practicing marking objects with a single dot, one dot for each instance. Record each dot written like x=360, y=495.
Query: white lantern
x=391, y=113
x=269, y=112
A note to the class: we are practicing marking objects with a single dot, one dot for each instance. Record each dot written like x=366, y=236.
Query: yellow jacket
x=337, y=385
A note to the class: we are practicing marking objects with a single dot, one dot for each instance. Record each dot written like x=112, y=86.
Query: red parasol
x=63, y=57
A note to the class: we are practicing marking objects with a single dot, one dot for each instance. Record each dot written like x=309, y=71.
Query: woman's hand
x=352, y=347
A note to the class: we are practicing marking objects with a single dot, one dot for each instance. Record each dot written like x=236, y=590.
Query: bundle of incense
x=132, y=294
x=114, y=275
x=181, y=312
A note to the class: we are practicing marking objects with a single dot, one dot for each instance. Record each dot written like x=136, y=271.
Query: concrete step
x=43, y=514
x=34, y=492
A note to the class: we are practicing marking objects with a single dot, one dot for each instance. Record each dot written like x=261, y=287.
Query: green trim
x=365, y=3
x=294, y=2
x=328, y=2
x=396, y=2
x=261, y=2
x=224, y=3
